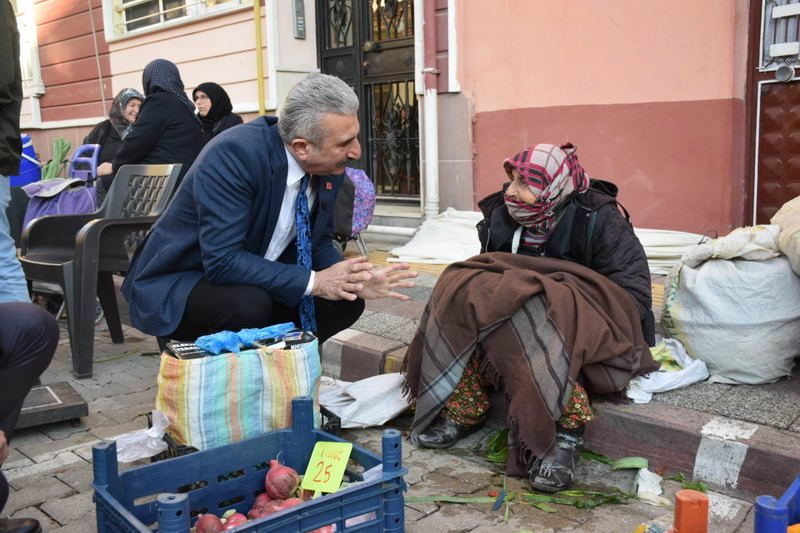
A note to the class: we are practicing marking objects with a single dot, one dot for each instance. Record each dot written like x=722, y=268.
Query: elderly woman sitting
x=557, y=308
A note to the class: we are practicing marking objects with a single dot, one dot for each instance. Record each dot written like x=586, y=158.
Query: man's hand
x=385, y=280
x=4, y=451
x=104, y=169
x=343, y=280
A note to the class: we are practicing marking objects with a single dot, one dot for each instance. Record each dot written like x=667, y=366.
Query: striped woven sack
x=217, y=400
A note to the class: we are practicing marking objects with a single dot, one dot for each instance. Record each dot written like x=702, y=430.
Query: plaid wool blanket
x=541, y=324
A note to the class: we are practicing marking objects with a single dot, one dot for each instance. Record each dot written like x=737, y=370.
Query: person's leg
x=13, y=287
x=213, y=308
x=464, y=412
x=28, y=340
x=555, y=470
x=335, y=316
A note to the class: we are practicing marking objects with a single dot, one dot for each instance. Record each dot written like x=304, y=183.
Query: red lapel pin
x=328, y=185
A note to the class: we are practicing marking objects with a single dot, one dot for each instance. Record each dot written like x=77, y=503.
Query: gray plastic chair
x=81, y=252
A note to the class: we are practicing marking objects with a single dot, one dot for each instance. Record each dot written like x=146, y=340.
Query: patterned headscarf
x=163, y=75
x=117, y=114
x=553, y=175
x=220, y=103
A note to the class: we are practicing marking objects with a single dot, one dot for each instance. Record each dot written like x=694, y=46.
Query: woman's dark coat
x=165, y=132
x=590, y=231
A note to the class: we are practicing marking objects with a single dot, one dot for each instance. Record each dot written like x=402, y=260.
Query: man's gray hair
x=308, y=101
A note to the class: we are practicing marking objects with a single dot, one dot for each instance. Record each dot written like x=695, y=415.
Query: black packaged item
x=186, y=350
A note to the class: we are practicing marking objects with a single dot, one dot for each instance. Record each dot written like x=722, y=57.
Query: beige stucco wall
x=222, y=49
x=651, y=92
x=536, y=53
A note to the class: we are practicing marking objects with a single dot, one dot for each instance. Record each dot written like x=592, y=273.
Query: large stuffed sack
x=788, y=218
x=742, y=317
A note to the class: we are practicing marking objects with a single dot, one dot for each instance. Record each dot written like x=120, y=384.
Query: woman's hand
x=385, y=280
x=104, y=169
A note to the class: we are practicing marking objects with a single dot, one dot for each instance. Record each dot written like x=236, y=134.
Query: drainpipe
x=259, y=56
x=430, y=106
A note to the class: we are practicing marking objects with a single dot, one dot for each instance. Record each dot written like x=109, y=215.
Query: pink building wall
x=652, y=93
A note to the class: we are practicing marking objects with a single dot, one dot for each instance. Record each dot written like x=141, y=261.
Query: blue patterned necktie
x=301, y=220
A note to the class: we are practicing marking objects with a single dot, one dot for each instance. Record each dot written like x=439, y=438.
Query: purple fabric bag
x=59, y=197
x=355, y=204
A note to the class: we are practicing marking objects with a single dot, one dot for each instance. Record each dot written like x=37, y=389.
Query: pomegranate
x=261, y=499
x=281, y=481
x=234, y=520
x=255, y=513
x=208, y=523
x=272, y=506
x=291, y=502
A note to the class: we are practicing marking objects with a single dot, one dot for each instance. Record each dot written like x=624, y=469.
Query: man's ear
x=300, y=148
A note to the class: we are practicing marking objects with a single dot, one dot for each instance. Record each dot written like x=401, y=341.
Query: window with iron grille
x=132, y=15
x=780, y=33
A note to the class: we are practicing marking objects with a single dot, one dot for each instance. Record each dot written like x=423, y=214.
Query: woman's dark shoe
x=555, y=470
x=443, y=433
x=19, y=525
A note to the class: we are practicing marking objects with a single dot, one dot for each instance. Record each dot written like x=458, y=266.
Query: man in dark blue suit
x=223, y=256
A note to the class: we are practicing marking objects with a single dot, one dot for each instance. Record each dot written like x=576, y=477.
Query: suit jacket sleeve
x=225, y=185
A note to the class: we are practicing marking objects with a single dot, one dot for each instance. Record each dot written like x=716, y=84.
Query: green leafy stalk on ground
x=687, y=484
x=582, y=499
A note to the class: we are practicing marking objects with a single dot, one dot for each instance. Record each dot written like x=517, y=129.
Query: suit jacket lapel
x=277, y=187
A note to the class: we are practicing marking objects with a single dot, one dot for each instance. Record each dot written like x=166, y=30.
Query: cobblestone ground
x=50, y=466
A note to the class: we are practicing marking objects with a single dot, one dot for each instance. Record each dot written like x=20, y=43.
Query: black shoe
x=19, y=525
x=555, y=470
x=162, y=343
x=443, y=433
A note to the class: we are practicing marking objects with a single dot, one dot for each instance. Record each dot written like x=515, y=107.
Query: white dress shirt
x=285, y=230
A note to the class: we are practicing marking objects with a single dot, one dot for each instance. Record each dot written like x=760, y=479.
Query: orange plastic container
x=691, y=512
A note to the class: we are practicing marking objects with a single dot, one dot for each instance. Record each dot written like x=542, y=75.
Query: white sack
x=741, y=317
x=664, y=248
x=365, y=403
x=641, y=388
x=446, y=238
x=754, y=243
x=788, y=218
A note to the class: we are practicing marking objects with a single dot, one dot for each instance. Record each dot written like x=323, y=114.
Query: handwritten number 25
x=320, y=473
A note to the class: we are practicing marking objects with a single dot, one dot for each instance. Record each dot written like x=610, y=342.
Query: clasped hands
x=357, y=278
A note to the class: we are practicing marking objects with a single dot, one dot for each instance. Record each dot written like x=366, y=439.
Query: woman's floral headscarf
x=117, y=113
x=553, y=175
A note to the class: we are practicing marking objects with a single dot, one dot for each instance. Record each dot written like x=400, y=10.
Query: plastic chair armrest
x=93, y=234
x=53, y=231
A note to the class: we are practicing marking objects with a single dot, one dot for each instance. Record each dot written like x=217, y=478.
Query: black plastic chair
x=82, y=252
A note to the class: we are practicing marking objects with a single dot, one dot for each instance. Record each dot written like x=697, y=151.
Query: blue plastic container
x=774, y=516
x=29, y=169
x=165, y=496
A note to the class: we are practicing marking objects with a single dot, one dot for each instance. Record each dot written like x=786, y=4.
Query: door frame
x=756, y=79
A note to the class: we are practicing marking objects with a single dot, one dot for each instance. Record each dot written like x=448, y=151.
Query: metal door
x=370, y=45
x=775, y=100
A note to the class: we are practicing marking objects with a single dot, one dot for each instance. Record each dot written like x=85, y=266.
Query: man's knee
x=30, y=335
x=253, y=308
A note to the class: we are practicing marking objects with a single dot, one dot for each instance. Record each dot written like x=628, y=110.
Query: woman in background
x=167, y=130
x=110, y=133
x=214, y=109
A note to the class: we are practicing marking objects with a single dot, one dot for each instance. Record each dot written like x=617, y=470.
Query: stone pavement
x=734, y=437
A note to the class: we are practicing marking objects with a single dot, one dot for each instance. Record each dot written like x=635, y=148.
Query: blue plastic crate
x=165, y=496
x=774, y=516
